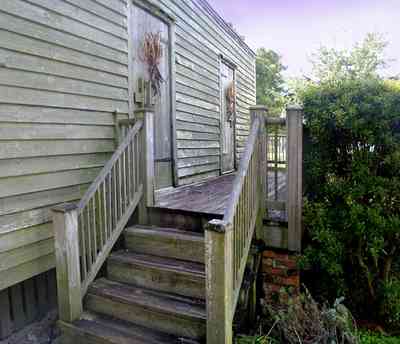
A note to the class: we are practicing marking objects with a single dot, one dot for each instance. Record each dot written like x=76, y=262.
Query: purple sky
x=296, y=28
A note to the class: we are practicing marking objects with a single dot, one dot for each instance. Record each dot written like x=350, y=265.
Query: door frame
x=224, y=60
x=164, y=15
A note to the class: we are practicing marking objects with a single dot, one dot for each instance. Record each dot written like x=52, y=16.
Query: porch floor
x=208, y=197
x=212, y=195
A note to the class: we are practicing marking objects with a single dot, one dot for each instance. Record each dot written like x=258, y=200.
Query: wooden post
x=261, y=111
x=219, y=282
x=66, y=240
x=294, y=176
x=147, y=172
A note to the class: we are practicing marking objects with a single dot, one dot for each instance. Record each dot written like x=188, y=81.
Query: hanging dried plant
x=152, y=54
x=230, y=99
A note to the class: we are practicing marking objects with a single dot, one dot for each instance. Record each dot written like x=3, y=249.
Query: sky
x=297, y=28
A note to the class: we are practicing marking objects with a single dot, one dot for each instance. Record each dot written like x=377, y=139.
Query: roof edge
x=221, y=21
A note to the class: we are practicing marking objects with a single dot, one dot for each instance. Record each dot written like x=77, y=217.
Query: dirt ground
x=41, y=332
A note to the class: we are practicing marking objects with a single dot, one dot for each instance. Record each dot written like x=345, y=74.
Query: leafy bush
x=352, y=212
x=390, y=294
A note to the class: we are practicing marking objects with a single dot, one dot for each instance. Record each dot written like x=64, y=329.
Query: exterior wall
x=63, y=71
x=201, y=38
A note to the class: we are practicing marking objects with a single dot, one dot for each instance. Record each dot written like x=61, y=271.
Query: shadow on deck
x=211, y=196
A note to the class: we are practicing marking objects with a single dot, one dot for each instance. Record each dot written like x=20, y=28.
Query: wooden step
x=165, y=242
x=176, y=315
x=158, y=273
x=99, y=329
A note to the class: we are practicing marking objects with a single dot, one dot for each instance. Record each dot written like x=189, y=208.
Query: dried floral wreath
x=230, y=100
x=152, y=54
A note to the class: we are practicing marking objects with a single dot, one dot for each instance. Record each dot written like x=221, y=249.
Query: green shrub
x=352, y=183
x=374, y=338
x=390, y=293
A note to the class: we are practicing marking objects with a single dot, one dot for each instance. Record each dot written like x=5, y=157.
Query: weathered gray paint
x=145, y=22
x=65, y=69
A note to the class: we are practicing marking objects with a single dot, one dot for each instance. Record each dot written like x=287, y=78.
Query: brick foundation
x=280, y=276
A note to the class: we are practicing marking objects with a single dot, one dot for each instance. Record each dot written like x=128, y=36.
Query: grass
x=376, y=338
x=365, y=338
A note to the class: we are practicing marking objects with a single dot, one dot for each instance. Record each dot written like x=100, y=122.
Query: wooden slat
x=5, y=316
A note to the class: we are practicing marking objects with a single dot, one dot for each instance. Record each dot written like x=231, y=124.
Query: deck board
x=210, y=196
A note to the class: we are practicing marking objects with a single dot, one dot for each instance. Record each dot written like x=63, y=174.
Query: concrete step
x=99, y=329
x=158, y=273
x=168, y=313
x=165, y=242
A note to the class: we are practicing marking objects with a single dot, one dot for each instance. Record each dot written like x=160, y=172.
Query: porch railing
x=228, y=240
x=277, y=152
x=86, y=232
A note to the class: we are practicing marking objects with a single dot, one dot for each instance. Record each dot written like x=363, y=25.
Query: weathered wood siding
x=201, y=38
x=63, y=71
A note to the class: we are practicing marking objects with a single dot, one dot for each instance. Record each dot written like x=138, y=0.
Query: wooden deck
x=211, y=196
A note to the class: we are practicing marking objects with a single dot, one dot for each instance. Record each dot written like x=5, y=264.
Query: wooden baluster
x=66, y=237
x=83, y=253
x=219, y=282
x=94, y=226
x=129, y=173
x=89, y=236
x=294, y=176
x=109, y=204
x=276, y=183
x=121, y=209
x=123, y=181
x=105, y=210
x=114, y=203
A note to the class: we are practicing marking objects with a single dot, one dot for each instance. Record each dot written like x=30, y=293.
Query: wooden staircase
x=153, y=292
x=178, y=279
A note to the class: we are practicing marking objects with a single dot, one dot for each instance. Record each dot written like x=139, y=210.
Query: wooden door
x=143, y=22
x=227, y=80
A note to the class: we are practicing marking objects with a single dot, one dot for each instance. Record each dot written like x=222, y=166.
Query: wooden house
x=80, y=123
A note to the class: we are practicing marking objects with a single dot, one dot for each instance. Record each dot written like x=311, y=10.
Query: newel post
x=294, y=175
x=66, y=241
x=147, y=173
x=261, y=111
x=219, y=282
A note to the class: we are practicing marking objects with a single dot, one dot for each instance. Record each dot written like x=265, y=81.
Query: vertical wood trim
x=221, y=123
x=66, y=239
x=117, y=132
x=172, y=39
x=17, y=306
x=5, y=317
x=294, y=176
x=130, y=61
x=219, y=283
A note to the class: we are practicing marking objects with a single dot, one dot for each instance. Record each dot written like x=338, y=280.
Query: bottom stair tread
x=94, y=328
x=163, y=312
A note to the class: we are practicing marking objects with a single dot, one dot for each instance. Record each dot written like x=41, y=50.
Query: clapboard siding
x=63, y=73
x=200, y=41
